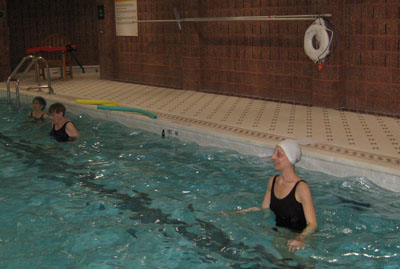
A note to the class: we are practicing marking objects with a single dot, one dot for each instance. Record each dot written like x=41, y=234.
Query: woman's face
x=36, y=106
x=55, y=117
x=280, y=159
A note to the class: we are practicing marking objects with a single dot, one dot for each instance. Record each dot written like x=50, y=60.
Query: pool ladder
x=33, y=61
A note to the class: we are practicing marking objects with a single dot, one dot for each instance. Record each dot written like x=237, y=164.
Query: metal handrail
x=34, y=60
x=15, y=72
x=51, y=91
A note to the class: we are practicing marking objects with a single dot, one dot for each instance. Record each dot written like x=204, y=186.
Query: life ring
x=96, y=102
x=317, y=41
x=128, y=109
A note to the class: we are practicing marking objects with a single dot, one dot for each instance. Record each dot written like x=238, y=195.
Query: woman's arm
x=267, y=196
x=264, y=205
x=250, y=209
x=303, y=194
x=71, y=130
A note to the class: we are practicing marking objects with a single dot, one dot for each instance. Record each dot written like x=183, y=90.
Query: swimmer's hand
x=295, y=244
x=50, y=147
x=250, y=209
x=227, y=212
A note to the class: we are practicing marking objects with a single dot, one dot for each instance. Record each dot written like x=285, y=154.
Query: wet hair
x=57, y=107
x=40, y=100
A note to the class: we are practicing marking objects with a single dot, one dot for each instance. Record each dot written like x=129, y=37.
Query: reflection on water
x=120, y=197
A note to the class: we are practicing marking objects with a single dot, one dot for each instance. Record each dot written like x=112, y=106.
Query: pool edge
x=386, y=176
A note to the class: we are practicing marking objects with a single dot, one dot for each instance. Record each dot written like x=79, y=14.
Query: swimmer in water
x=38, y=105
x=288, y=196
x=63, y=129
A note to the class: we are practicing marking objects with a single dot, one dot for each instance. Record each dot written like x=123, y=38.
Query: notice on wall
x=125, y=17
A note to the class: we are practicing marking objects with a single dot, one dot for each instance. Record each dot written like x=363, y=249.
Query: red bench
x=56, y=50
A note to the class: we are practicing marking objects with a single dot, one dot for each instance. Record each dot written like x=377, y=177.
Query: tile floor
x=368, y=138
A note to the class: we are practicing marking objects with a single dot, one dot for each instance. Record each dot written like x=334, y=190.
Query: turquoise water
x=125, y=198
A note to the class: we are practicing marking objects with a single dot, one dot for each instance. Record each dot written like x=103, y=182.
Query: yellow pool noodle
x=96, y=102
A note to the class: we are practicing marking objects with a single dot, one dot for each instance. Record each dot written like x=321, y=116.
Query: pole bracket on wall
x=178, y=19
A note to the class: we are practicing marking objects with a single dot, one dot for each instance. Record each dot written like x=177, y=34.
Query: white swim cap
x=291, y=149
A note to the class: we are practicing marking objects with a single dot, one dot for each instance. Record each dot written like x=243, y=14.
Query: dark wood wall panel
x=32, y=21
x=4, y=43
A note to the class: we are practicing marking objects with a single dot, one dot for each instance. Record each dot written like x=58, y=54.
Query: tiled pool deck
x=337, y=142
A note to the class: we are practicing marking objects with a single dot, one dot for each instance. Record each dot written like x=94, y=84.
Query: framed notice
x=125, y=15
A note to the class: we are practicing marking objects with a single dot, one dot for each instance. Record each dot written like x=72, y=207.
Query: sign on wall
x=125, y=15
x=100, y=12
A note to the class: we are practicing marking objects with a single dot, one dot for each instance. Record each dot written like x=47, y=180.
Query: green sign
x=1, y=13
x=100, y=12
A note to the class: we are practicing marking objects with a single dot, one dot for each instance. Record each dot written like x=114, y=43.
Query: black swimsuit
x=60, y=135
x=288, y=211
x=37, y=119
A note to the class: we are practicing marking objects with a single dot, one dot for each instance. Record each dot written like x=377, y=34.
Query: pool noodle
x=128, y=109
x=96, y=102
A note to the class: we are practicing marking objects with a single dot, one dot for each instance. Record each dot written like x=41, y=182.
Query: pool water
x=125, y=198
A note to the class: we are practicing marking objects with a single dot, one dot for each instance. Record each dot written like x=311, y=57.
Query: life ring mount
x=317, y=41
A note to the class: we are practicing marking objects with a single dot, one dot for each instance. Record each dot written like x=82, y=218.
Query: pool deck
x=337, y=142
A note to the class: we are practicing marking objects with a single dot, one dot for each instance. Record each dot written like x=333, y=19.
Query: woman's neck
x=288, y=175
x=60, y=122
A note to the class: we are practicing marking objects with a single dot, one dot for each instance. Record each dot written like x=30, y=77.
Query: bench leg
x=64, y=67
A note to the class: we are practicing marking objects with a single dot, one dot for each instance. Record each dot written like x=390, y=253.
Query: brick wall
x=4, y=44
x=266, y=59
x=371, y=58
x=254, y=59
x=32, y=21
x=154, y=57
x=107, y=41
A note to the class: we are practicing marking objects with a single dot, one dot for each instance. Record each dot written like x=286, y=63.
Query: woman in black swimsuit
x=38, y=105
x=63, y=130
x=288, y=196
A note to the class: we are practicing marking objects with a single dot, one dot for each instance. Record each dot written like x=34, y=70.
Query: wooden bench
x=55, y=49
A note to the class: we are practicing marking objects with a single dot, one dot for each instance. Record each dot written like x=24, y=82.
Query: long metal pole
x=249, y=18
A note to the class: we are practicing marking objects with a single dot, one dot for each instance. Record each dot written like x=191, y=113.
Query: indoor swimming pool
x=126, y=198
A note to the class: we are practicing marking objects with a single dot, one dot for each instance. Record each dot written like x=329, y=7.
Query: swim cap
x=291, y=149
